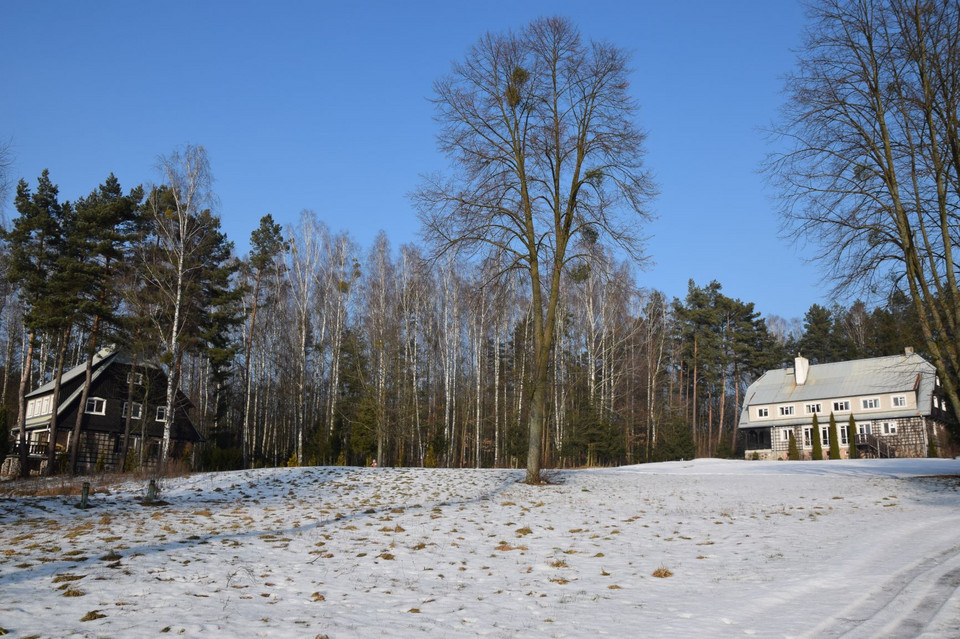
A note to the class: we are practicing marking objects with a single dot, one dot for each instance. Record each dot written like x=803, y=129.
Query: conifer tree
x=36, y=241
x=817, y=446
x=793, y=454
x=834, y=440
x=852, y=438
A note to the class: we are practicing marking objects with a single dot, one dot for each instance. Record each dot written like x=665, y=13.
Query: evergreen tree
x=36, y=240
x=676, y=441
x=852, y=438
x=793, y=454
x=817, y=446
x=834, y=440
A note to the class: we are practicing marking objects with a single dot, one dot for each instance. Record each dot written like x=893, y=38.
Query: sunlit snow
x=862, y=548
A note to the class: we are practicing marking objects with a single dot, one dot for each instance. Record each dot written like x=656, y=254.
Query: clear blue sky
x=324, y=106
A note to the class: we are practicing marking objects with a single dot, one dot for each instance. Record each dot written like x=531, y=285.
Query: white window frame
x=870, y=403
x=825, y=436
x=45, y=407
x=95, y=411
x=786, y=411
x=137, y=410
x=841, y=406
x=137, y=378
x=808, y=436
x=864, y=428
x=898, y=401
x=161, y=413
x=763, y=412
x=936, y=402
x=844, y=436
x=785, y=434
x=31, y=406
x=813, y=409
x=889, y=428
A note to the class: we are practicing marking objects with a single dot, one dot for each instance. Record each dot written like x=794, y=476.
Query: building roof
x=841, y=380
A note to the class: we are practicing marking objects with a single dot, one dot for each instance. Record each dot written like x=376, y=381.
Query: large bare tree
x=539, y=127
x=871, y=171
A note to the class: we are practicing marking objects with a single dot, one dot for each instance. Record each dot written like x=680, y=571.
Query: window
x=137, y=410
x=844, y=438
x=841, y=406
x=786, y=410
x=136, y=377
x=807, y=436
x=936, y=402
x=889, y=428
x=899, y=401
x=870, y=403
x=785, y=434
x=96, y=406
x=938, y=381
x=811, y=409
x=45, y=408
x=161, y=413
x=864, y=428
x=825, y=436
x=31, y=405
x=763, y=412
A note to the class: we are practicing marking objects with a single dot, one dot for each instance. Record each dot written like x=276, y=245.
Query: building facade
x=124, y=402
x=895, y=402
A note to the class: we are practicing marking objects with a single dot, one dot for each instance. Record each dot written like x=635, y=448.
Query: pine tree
x=36, y=241
x=817, y=446
x=793, y=454
x=834, y=440
x=852, y=438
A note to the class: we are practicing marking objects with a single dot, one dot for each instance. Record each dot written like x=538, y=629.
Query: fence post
x=84, y=494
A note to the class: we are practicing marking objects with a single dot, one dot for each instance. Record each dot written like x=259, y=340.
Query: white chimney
x=801, y=366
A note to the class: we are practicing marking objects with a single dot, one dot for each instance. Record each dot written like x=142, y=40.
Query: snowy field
x=862, y=548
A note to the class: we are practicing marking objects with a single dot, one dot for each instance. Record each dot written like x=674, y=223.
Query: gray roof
x=840, y=380
x=76, y=371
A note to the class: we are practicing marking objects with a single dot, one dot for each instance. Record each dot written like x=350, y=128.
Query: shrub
x=852, y=439
x=793, y=454
x=834, y=440
x=817, y=446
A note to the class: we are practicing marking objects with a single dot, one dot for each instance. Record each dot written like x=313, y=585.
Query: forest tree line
x=312, y=349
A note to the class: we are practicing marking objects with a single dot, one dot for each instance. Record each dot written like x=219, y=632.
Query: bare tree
x=539, y=126
x=175, y=260
x=872, y=167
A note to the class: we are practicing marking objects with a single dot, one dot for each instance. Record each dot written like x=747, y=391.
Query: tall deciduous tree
x=871, y=169
x=539, y=125
x=183, y=262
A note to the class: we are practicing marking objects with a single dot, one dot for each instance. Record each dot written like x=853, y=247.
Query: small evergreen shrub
x=817, y=446
x=834, y=440
x=793, y=454
x=852, y=438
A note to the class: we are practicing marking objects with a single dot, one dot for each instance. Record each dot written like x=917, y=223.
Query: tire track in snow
x=903, y=605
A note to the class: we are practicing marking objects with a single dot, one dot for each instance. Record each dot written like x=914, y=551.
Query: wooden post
x=84, y=494
x=152, y=491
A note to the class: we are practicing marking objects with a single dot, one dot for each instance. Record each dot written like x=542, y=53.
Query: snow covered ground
x=861, y=548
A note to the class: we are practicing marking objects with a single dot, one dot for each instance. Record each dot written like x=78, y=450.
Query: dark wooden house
x=111, y=411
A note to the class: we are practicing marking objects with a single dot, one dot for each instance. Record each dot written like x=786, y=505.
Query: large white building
x=896, y=403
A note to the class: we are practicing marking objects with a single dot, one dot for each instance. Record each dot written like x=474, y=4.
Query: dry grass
x=662, y=572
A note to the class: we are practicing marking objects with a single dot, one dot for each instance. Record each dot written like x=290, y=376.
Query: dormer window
x=786, y=410
x=763, y=412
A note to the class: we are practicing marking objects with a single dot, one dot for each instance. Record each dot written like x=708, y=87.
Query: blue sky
x=324, y=106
